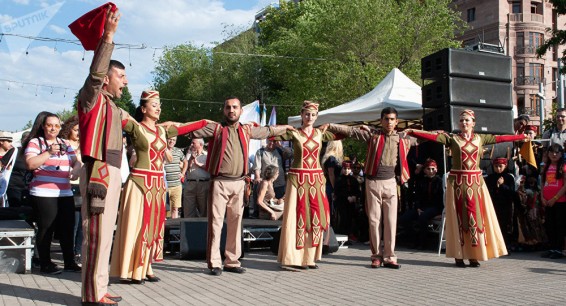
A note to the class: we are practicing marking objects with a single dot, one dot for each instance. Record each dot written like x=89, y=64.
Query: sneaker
x=546, y=254
x=73, y=267
x=51, y=269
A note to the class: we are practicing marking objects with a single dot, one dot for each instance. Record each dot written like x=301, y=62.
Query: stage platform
x=15, y=246
x=254, y=231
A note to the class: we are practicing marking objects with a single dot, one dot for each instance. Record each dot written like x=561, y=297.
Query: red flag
x=90, y=26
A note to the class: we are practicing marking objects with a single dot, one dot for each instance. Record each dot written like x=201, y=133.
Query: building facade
x=520, y=27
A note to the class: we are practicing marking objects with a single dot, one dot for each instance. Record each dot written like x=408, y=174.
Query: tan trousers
x=381, y=207
x=97, y=238
x=175, y=196
x=195, y=199
x=226, y=198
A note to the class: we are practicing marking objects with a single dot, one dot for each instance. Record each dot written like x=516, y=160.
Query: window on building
x=536, y=39
x=520, y=70
x=534, y=104
x=536, y=8
x=520, y=39
x=471, y=14
x=516, y=7
x=536, y=72
x=523, y=109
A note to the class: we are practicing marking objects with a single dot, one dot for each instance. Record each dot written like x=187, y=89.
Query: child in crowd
x=361, y=218
x=530, y=215
x=428, y=203
x=501, y=186
x=347, y=192
x=554, y=200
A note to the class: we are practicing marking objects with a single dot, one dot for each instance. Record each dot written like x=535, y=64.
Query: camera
x=62, y=147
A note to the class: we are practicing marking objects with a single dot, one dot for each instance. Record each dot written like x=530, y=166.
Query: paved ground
x=344, y=278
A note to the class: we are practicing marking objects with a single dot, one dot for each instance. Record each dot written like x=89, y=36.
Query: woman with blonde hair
x=331, y=166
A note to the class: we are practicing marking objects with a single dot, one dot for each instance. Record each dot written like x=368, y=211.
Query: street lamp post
x=540, y=94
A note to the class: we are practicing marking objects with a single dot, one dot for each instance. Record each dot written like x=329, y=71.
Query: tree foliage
x=558, y=35
x=331, y=51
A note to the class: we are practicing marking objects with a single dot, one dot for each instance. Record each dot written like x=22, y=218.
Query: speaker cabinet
x=488, y=120
x=194, y=238
x=466, y=64
x=467, y=92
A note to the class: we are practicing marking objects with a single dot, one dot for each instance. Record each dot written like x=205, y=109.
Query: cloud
x=170, y=22
x=24, y=2
x=57, y=29
x=5, y=18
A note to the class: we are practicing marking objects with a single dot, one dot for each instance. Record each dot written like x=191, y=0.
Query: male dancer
x=227, y=163
x=101, y=147
x=385, y=148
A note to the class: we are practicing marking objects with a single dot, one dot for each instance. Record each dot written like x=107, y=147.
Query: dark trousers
x=54, y=213
x=555, y=225
x=412, y=215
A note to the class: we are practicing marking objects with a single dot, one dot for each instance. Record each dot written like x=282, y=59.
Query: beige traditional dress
x=472, y=230
x=306, y=214
x=140, y=232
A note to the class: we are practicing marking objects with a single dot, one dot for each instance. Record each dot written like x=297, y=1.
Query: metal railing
x=529, y=80
x=537, y=17
x=529, y=111
x=517, y=17
x=531, y=50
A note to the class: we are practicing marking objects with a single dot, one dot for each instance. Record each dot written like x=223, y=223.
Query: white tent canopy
x=395, y=90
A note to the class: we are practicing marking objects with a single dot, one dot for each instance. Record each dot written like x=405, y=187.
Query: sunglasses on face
x=50, y=126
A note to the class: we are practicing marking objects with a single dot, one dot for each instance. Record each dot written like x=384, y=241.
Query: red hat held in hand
x=90, y=26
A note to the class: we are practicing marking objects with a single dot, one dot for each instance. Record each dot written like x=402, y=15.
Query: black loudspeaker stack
x=465, y=79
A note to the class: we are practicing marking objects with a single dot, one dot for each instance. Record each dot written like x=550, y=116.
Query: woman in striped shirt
x=54, y=163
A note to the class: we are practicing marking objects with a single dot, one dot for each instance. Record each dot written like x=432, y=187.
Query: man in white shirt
x=195, y=193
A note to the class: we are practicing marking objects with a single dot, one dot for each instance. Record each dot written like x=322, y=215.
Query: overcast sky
x=153, y=23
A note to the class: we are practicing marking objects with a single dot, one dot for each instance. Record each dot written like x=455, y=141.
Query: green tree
x=558, y=35
x=331, y=51
x=125, y=102
x=340, y=50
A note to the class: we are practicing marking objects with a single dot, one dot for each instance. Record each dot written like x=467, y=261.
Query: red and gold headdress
x=149, y=94
x=310, y=105
x=468, y=112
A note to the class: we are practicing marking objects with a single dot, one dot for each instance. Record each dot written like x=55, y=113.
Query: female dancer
x=472, y=230
x=306, y=214
x=139, y=236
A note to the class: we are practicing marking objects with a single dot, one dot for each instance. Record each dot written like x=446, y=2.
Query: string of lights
x=143, y=46
x=74, y=90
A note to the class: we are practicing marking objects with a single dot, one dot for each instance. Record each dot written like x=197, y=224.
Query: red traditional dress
x=472, y=230
x=139, y=235
x=306, y=212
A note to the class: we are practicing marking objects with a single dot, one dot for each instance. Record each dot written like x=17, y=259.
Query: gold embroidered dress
x=306, y=212
x=472, y=230
x=140, y=232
